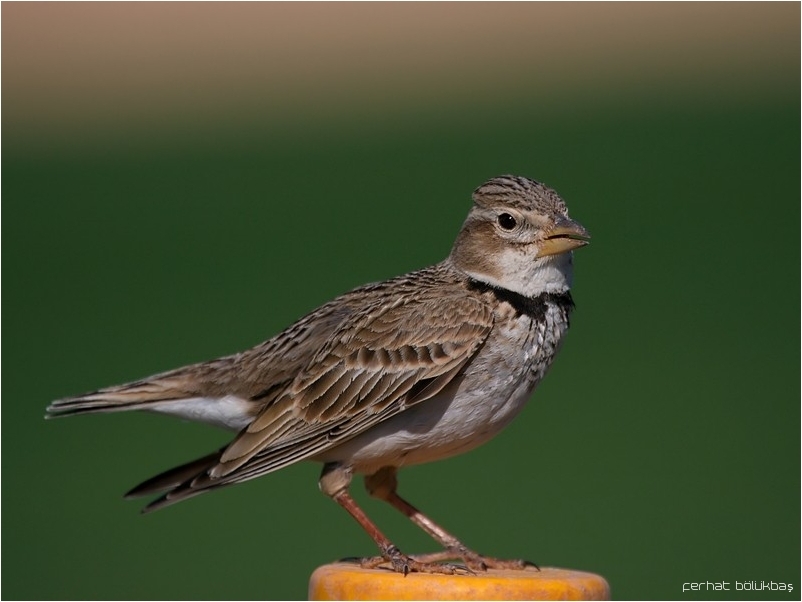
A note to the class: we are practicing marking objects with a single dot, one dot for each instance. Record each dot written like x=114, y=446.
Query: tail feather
x=83, y=405
x=173, y=478
x=180, y=483
x=137, y=395
x=195, y=393
x=171, y=497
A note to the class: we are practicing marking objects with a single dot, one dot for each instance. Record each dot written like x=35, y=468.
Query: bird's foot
x=401, y=563
x=475, y=562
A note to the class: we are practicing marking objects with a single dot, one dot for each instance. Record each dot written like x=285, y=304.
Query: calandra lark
x=414, y=369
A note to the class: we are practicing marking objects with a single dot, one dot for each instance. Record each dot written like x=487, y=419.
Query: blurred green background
x=182, y=181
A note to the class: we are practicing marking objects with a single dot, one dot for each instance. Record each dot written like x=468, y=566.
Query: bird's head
x=518, y=236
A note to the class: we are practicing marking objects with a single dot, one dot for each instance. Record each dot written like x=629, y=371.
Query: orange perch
x=343, y=581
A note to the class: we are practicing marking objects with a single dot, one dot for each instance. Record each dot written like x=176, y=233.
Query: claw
x=475, y=562
x=433, y=563
x=483, y=563
x=401, y=563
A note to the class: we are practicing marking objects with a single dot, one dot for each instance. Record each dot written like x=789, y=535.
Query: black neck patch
x=534, y=307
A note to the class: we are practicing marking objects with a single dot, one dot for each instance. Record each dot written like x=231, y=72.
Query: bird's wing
x=377, y=363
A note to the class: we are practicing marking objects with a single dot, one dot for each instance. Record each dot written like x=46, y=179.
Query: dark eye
x=506, y=221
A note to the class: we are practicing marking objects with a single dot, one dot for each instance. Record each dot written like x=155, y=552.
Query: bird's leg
x=334, y=482
x=383, y=485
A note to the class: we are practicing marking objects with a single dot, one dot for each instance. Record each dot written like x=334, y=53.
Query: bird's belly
x=491, y=392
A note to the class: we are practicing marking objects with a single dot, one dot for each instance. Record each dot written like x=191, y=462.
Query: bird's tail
x=138, y=395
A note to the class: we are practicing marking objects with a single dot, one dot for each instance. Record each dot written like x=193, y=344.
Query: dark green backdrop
x=663, y=447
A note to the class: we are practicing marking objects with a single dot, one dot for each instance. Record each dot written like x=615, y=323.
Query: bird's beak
x=566, y=235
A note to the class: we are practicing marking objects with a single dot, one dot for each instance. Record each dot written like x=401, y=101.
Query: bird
x=414, y=369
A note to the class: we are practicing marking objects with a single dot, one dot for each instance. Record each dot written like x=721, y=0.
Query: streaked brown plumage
x=409, y=370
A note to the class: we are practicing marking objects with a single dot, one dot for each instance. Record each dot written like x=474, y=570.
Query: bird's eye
x=506, y=221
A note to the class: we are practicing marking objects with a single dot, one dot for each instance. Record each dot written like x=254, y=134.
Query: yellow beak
x=566, y=235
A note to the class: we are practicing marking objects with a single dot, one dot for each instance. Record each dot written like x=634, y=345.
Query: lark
x=410, y=370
